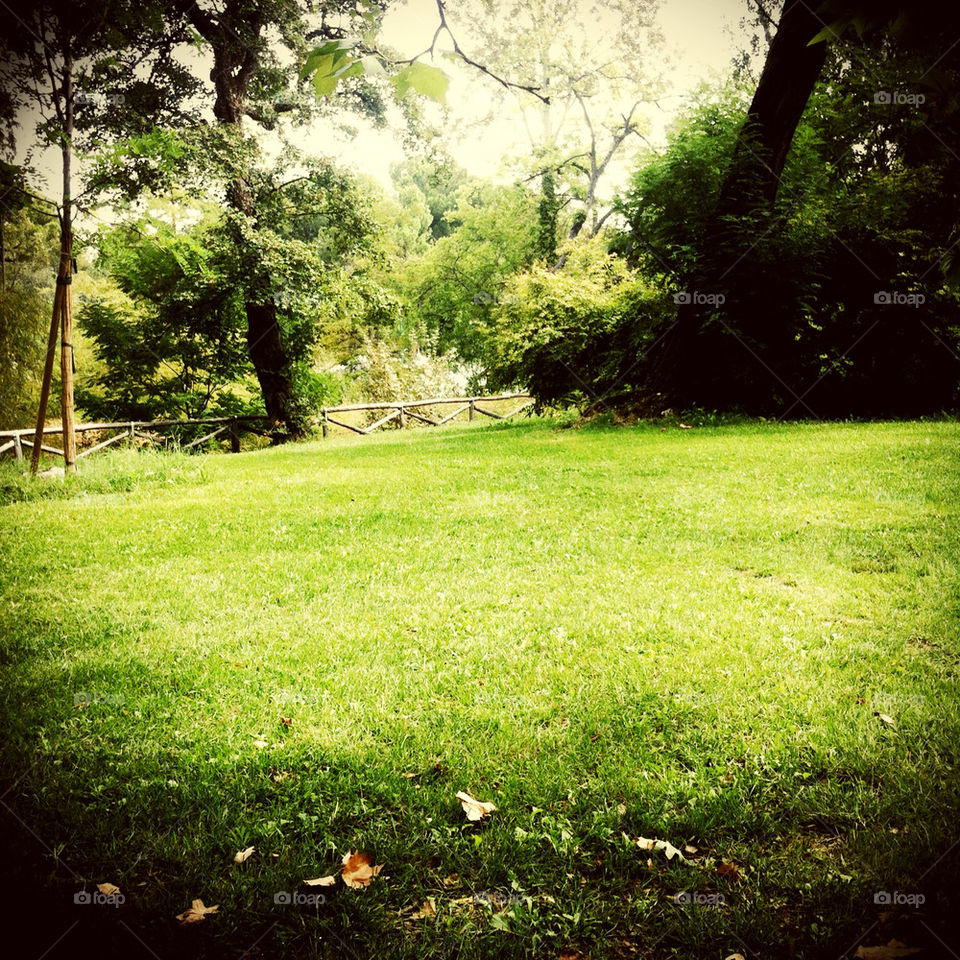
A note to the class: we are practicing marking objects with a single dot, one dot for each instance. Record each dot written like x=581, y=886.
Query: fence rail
x=400, y=410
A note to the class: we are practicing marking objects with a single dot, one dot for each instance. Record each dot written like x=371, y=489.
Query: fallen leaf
x=286, y=721
x=260, y=744
x=196, y=912
x=668, y=848
x=689, y=849
x=427, y=909
x=685, y=426
x=321, y=881
x=735, y=956
x=243, y=855
x=889, y=721
x=358, y=869
x=621, y=808
x=474, y=809
x=451, y=881
x=728, y=869
x=888, y=952
x=410, y=776
x=108, y=889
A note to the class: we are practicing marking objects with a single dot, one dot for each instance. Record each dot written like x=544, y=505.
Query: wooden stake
x=66, y=376
x=47, y=373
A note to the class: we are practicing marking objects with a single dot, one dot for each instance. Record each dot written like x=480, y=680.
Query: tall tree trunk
x=235, y=63
x=728, y=357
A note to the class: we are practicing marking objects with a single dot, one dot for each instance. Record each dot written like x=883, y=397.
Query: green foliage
x=29, y=251
x=453, y=287
x=575, y=334
x=171, y=337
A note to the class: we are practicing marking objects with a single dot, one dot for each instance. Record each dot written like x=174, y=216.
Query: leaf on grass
x=108, y=889
x=689, y=848
x=685, y=426
x=410, y=776
x=889, y=721
x=196, y=912
x=621, y=809
x=241, y=856
x=358, y=869
x=286, y=721
x=670, y=851
x=260, y=744
x=321, y=881
x=735, y=956
x=889, y=951
x=474, y=809
x=727, y=869
x=451, y=881
x=427, y=909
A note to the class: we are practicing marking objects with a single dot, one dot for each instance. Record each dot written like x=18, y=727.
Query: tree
x=736, y=356
x=67, y=59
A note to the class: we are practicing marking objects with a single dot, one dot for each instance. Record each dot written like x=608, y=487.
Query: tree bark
x=728, y=357
x=235, y=64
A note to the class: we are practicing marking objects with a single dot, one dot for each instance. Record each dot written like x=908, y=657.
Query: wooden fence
x=403, y=411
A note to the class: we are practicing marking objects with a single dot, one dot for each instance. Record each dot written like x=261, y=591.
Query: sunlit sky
x=701, y=38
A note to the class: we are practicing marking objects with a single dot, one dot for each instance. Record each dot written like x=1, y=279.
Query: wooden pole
x=66, y=372
x=234, y=437
x=18, y=447
x=470, y=415
x=48, y=370
x=323, y=423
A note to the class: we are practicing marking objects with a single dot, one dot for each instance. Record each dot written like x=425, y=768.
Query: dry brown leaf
x=621, y=808
x=728, y=869
x=668, y=848
x=358, y=869
x=196, y=912
x=689, y=848
x=286, y=721
x=451, y=881
x=889, y=721
x=474, y=809
x=427, y=909
x=890, y=951
x=108, y=889
x=321, y=881
x=242, y=856
x=735, y=956
x=410, y=776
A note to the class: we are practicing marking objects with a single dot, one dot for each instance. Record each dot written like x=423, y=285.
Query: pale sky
x=699, y=46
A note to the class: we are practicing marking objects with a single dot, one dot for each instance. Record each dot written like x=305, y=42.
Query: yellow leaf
x=358, y=869
x=321, y=882
x=196, y=912
x=108, y=889
x=242, y=855
x=474, y=809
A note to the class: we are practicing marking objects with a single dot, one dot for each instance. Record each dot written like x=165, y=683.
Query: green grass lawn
x=744, y=639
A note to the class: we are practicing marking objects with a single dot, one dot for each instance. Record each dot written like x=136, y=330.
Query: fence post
x=234, y=437
x=130, y=435
x=17, y=447
x=323, y=423
x=470, y=414
x=403, y=416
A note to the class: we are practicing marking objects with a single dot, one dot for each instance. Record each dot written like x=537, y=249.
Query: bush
x=576, y=334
